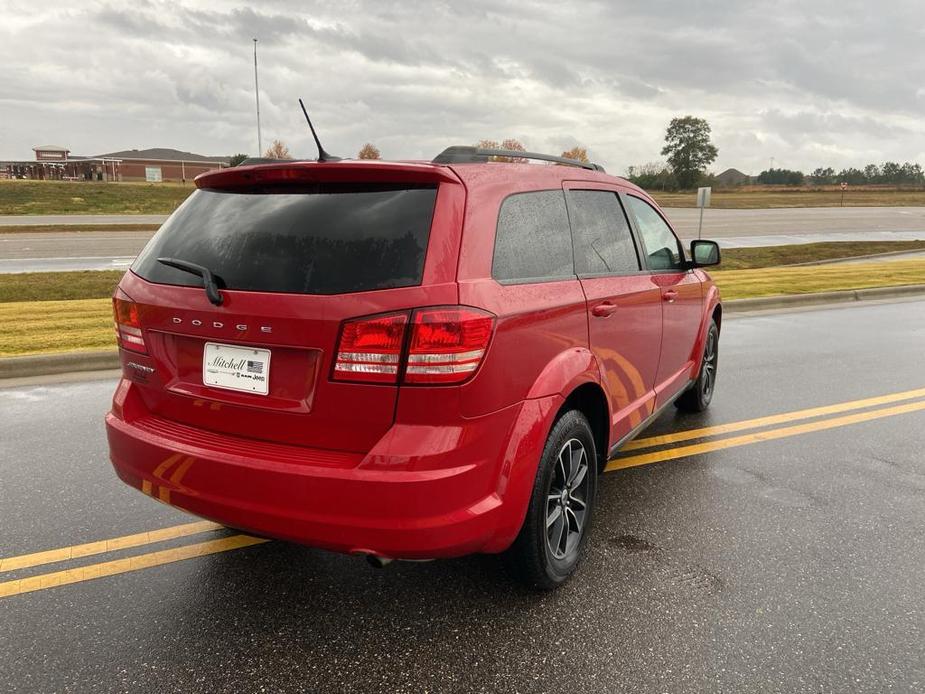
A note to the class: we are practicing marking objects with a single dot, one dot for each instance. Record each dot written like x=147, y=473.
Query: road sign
x=703, y=197
x=844, y=185
x=703, y=200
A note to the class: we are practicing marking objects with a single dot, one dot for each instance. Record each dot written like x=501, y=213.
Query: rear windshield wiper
x=208, y=279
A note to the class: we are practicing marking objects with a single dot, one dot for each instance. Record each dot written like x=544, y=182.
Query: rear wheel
x=697, y=398
x=549, y=545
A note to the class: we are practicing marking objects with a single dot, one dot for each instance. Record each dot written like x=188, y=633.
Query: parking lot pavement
x=779, y=549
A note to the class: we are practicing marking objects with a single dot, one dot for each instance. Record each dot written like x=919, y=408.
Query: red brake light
x=370, y=349
x=128, y=325
x=447, y=344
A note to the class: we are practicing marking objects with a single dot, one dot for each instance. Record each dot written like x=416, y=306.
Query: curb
x=70, y=362
x=67, y=362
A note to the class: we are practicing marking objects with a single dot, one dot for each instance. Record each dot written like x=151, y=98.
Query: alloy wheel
x=566, y=500
x=710, y=357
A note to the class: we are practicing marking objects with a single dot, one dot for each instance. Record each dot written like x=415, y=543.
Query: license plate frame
x=233, y=367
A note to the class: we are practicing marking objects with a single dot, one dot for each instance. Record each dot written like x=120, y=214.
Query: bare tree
x=277, y=150
x=369, y=151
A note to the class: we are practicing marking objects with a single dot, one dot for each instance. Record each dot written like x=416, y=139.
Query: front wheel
x=550, y=543
x=697, y=398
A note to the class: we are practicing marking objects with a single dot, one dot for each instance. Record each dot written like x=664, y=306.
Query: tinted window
x=603, y=241
x=533, y=239
x=331, y=239
x=662, y=246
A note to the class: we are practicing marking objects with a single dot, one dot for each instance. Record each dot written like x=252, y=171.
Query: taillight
x=128, y=326
x=370, y=349
x=447, y=344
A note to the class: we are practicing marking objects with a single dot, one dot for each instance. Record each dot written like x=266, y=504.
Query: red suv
x=407, y=359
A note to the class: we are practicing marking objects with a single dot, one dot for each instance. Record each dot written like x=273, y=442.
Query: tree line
x=889, y=173
x=688, y=151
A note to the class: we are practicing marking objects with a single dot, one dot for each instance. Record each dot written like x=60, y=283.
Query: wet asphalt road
x=792, y=565
x=101, y=250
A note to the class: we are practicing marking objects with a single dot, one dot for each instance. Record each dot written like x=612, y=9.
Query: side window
x=662, y=246
x=603, y=241
x=533, y=240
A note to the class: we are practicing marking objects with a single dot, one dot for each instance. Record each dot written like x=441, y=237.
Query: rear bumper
x=421, y=492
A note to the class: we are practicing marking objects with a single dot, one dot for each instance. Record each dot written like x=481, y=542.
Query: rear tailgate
x=296, y=260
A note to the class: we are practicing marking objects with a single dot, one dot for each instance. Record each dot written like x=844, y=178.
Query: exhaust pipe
x=378, y=562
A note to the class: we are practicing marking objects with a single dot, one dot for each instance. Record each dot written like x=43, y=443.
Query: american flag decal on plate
x=236, y=368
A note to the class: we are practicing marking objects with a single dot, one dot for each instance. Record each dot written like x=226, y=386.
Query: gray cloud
x=823, y=83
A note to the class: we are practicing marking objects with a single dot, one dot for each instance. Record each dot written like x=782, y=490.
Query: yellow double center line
x=117, y=566
x=225, y=544
x=626, y=461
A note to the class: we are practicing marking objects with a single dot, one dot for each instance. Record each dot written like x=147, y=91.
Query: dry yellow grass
x=743, y=284
x=36, y=327
x=84, y=197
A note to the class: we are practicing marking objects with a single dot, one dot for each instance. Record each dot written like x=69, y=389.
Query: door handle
x=670, y=295
x=604, y=309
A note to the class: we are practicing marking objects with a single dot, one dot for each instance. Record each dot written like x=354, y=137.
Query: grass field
x=770, y=256
x=742, y=200
x=745, y=284
x=58, y=286
x=81, y=197
x=35, y=327
x=39, y=228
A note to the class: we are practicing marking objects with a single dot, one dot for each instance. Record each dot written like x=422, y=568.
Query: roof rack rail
x=465, y=154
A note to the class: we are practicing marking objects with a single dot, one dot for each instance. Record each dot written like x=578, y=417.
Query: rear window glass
x=327, y=239
x=533, y=241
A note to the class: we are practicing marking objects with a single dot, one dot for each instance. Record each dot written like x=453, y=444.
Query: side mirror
x=704, y=253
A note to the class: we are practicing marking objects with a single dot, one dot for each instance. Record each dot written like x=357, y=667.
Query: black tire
x=545, y=554
x=697, y=398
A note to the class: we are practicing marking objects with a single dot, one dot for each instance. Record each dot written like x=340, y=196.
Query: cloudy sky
x=807, y=83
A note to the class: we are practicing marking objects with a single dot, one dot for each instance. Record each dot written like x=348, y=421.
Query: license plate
x=236, y=368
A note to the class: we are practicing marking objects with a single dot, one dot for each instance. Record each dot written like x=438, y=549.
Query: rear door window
x=663, y=250
x=603, y=240
x=533, y=242
x=325, y=239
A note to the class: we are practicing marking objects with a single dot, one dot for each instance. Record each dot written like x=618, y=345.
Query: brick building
x=162, y=164
x=53, y=162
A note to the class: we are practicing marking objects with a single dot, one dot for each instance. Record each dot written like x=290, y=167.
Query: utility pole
x=257, y=95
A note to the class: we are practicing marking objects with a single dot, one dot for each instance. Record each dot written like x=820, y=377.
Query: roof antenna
x=322, y=155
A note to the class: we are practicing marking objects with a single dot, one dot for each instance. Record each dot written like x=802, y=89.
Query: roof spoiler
x=465, y=154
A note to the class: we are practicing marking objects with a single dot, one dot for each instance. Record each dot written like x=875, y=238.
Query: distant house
x=731, y=178
x=162, y=164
